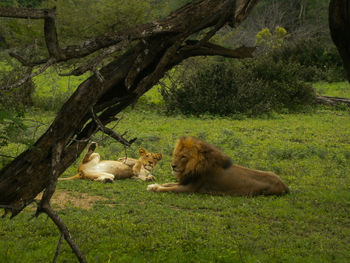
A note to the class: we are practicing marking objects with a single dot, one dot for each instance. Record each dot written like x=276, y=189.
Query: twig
x=110, y=132
x=26, y=62
x=57, y=249
x=64, y=230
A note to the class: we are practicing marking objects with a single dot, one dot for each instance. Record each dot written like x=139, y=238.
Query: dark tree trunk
x=124, y=80
x=339, y=24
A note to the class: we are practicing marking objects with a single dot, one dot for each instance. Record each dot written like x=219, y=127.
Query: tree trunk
x=120, y=83
x=339, y=24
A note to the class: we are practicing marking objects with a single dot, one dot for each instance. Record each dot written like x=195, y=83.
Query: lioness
x=202, y=168
x=144, y=165
x=95, y=169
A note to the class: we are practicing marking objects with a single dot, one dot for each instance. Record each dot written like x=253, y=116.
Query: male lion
x=106, y=170
x=202, y=168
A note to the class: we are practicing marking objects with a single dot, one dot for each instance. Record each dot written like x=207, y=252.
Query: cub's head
x=193, y=158
x=148, y=159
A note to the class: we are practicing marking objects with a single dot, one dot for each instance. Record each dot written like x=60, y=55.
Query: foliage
x=11, y=105
x=54, y=90
x=318, y=61
x=130, y=224
x=268, y=41
x=99, y=17
x=252, y=87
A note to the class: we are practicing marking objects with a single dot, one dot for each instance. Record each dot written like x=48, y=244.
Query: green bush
x=317, y=61
x=252, y=87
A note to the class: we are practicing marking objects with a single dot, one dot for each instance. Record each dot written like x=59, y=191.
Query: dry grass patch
x=62, y=199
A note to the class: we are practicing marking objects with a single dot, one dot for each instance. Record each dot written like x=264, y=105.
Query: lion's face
x=183, y=156
x=148, y=159
x=193, y=157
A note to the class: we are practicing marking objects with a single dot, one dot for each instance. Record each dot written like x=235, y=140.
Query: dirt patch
x=62, y=199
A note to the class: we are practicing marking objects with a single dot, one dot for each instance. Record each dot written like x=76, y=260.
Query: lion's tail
x=77, y=176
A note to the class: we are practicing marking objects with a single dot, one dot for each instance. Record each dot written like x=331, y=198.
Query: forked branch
x=110, y=132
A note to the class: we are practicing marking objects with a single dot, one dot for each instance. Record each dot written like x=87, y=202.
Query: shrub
x=318, y=62
x=269, y=41
x=251, y=87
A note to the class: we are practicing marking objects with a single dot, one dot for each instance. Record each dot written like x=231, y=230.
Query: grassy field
x=122, y=222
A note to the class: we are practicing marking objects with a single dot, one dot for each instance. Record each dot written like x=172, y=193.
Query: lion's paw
x=153, y=187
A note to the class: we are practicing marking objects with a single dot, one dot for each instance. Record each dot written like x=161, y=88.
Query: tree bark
x=339, y=24
x=160, y=46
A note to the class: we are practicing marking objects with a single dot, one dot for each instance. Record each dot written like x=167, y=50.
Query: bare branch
x=96, y=60
x=228, y=10
x=160, y=69
x=57, y=249
x=50, y=33
x=27, y=63
x=210, y=49
x=64, y=230
x=15, y=12
x=110, y=132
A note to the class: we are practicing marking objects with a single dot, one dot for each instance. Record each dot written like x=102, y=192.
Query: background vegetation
x=268, y=124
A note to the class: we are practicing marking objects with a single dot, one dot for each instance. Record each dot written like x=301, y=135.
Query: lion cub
x=95, y=169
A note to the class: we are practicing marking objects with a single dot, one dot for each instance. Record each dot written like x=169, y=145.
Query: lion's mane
x=203, y=159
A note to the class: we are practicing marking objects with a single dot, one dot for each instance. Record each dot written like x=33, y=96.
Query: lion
x=95, y=169
x=144, y=165
x=203, y=168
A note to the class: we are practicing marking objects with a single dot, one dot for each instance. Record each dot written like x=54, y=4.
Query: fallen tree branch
x=110, y=132
x=332, y=100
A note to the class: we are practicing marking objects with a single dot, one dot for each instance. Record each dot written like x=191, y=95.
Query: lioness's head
x=148, y=159
x=194, y=157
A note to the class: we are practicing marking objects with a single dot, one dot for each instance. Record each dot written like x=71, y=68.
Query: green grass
x=336, y=89
x=311, y=153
